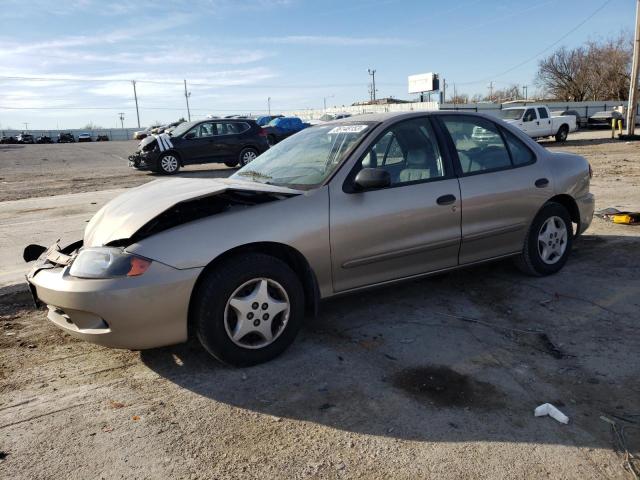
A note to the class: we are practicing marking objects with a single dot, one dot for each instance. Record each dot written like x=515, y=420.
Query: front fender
x=300, y=222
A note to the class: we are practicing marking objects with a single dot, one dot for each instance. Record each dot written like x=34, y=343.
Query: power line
x=544, y=50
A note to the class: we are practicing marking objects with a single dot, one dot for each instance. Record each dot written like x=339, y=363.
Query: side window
x=478, y=142
x=205, y=130
x=408, y=151
x=529, y=115
x=520, y=153
x=542, y=113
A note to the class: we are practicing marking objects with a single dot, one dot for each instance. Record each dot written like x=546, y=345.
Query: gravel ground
x=426, y=379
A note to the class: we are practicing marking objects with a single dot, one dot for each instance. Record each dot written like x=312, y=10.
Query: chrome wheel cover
x=257, y=313
x=169, y=163
x=552, y=240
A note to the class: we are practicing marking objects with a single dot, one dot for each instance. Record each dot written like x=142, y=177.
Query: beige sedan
x=343, y=206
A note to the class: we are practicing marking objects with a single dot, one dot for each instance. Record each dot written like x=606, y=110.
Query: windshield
x=182, y=128
x=306, y=159
x=512, y=113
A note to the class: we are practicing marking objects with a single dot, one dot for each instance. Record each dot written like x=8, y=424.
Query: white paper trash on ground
x=553, y=412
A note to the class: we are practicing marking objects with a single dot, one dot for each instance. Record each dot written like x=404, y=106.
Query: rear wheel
x=562, y=134
x=249, y=309
x=247, y=155
x=548, y=242
x=168, y=164
x=231, y=163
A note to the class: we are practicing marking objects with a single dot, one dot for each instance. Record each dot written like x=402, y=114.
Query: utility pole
x=491, y=91
x=635, y=70
x=186, y=96
x=525, y=91
x=372, y=73
x=455, y=95
x=26, y=126
x=135, y=96
x=444, y=90
x=324, y=101
x=121, y=115
x=269, y=106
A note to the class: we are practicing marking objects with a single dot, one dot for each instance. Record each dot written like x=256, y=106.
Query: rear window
x=520, y=153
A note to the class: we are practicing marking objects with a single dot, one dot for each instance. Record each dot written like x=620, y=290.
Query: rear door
x=544, y=119
x=409, y=228
x=502, y=187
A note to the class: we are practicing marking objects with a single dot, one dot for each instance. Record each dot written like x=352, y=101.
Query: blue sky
x=236, y=53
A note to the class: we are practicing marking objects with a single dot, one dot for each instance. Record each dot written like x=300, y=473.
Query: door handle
x=542, y=182
x=446, y=199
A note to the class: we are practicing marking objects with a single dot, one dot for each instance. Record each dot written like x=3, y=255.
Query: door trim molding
x=493, y=232
x=379, y=257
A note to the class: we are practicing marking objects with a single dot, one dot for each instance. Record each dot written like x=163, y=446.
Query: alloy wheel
x=169, y=163
x=248, y=156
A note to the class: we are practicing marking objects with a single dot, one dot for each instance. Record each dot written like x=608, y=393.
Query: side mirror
x=190, y=135
x=369, y=178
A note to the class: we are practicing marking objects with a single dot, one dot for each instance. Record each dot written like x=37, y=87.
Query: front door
x=530, y=123
x=502, y=187
x=196, y=143
x=406, y=229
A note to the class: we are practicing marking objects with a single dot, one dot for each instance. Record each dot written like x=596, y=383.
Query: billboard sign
x=423, y=82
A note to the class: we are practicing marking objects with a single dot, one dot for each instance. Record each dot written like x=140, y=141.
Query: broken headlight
x=107, y=262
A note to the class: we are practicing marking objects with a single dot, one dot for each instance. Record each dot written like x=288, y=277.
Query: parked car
x=604, y=118
x=140, y=134
x=263, y=120
x=84, y=137
x=280, y=128
x=66, y=138
x=102, y=138
x=228, y=141
x=44, y=139
x=537, y=122
x=334, y=209
x=580, y=121
x=8, y=139
x=25, y=138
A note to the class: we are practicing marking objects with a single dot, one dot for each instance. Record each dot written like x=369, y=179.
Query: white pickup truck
x=536, y=121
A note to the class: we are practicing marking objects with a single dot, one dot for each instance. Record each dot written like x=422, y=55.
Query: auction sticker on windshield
x=348, y=129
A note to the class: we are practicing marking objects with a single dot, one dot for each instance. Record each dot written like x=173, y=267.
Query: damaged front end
x=47, y=258
x=145, y=156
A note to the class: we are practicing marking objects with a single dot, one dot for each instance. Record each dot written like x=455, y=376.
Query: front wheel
x=247, y=155
x=548, y=242
x=562, y=134
x=249, y=309
x=168, y=164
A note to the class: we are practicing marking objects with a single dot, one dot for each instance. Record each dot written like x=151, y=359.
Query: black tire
x=562, y=134
x=168, y=164
x=216, y=288
x=231, y=163
x=247, y=155
x=530, y=261
x=272, y=140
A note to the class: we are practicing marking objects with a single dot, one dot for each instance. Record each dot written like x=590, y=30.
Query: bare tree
x=595, y=71
x=459, y=98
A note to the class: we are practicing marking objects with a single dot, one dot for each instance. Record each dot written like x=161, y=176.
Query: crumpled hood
x=127, y=213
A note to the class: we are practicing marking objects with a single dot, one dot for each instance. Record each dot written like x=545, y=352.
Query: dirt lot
x=435, y=378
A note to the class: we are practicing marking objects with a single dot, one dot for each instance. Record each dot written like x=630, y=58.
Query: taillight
x=590, y=171
x=262, y=132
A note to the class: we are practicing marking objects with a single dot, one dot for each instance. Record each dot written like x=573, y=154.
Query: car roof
x=392, y=117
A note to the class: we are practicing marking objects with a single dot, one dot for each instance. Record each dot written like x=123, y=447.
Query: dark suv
x=230, y=141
